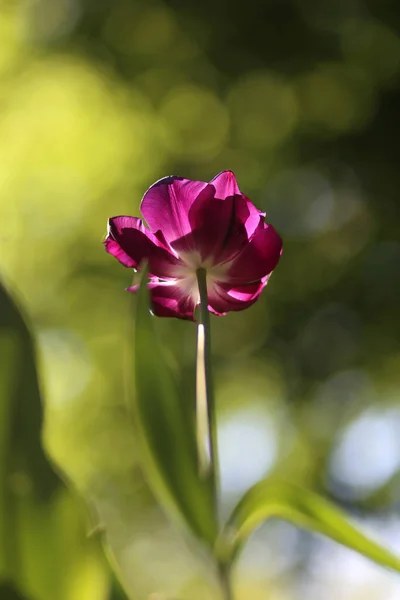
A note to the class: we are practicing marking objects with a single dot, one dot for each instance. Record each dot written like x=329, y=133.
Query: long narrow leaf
x=166, y=430
x=44, y=550
x=302, y=508
x=21, y=452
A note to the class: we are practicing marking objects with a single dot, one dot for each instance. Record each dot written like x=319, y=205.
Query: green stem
x=225, y=579
x=206, y=413
x=206, y=418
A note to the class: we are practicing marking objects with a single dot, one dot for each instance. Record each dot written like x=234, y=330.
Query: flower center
x=186, y=275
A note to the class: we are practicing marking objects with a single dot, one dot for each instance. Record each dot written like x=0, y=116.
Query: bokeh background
x=301, y=99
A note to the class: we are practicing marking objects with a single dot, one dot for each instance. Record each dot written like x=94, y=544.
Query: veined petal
x=225, y=185
x=167, y=203
x=218, y=226
x=224, y=298
x=131, y=243
x=253, y=220
x=195, y=225
x=258, y=258
x=112, y=247
x=121, y=243
x=169, y=300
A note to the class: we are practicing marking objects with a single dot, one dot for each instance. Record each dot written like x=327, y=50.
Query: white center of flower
x=187, y=274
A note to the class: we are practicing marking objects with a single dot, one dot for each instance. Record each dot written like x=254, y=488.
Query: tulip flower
x=196, y=226
x=206, y=245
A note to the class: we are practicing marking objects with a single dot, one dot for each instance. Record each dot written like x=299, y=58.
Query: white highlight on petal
x=186, y=274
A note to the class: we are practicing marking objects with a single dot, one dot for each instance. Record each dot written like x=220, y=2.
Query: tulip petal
x=112, y=247
x=120, y=242
x=258, y=258
x=131, y=243
x=195, y=225
x=167, y=203
x=254, y=218
x=169, y=300
x=224, y=298
x=219, y=227
x=225, y=185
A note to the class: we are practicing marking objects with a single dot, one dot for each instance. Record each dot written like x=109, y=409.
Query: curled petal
x=167, y=203
x=253, y=220
x=224, y=298
x=112, y=247
x=121, y=243
x=131, y=243
x=169, y=300
x=258, y=258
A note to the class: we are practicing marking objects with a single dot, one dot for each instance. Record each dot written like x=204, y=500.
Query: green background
x=98, y=99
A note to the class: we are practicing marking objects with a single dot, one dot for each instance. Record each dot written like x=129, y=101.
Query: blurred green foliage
x=44, y=550
x=98, y=99
x=165, y=427
x=268, y=498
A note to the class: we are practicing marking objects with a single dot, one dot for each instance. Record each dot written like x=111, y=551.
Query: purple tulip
x=194, y=225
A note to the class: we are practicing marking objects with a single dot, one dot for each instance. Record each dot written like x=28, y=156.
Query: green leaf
x=44, y=550
x=165, y=423
x=23, y=464
x=303, y=508
x=116, y=591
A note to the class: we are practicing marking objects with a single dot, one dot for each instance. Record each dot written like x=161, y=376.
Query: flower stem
x=225, y=579
x=206, y=414
x=206, y=420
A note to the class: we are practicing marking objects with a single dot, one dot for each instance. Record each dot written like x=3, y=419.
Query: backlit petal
x=253, y=220
x=168, y=300
x=112, y=247
x=225, y=185
x=258, y=258
x=131, y=243
x=224, y=298
x=166, y=205
x=219, y=227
